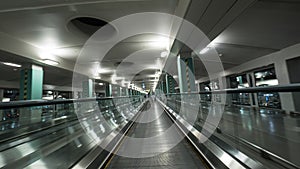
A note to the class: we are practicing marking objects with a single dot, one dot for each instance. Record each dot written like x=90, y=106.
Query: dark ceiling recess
x=88, y=25
x=91, y=21
x=124, y=64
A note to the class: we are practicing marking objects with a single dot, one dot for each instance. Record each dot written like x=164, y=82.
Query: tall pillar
x=162, y=87
x=286, y=98
x=120, y=91
x=1, y=94
x=127, y=92
x=108, y=90
x=1, y=98
x=187, y=85
x=167, y=84
x=31, y=84
x=186, y=74
x=228, y=96
x=252, y=96
x=170, y=84
x=31, y=88
x=87, y=88
x=222, y=86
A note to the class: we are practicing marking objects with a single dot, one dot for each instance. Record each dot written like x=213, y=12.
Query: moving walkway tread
x=183, y=155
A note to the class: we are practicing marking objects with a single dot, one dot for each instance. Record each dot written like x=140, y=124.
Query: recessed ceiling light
x=164, y=54
x=11, y=64
x=101, y=84
x=50, y=62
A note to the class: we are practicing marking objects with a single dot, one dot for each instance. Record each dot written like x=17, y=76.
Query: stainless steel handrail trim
x=279, y=88
x=89, y=158
x=29, y=103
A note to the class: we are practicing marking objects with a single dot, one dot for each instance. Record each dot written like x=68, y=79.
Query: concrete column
x=117, y=91
x=198, y=87
x=127, y=92
x=228, y=96
x=31, y=84
x=223, y=85
x=121, y=91
x=1, y=94
x=163, y=87
x=87, y=88
x=31, y=88
x=286, y=99
x=1, y=98
x=294, y=77
x=186, y=74
x=170, y=84
x=253, y=96
x=108, y=90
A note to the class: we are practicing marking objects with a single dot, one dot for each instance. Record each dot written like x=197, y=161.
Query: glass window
x=240, y=81
x=263, y=78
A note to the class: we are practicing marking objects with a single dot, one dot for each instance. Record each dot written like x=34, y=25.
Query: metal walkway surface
x=158, y=150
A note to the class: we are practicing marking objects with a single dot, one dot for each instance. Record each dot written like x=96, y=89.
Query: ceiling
x=242, y=31
x=46, y=28
x=265, y=27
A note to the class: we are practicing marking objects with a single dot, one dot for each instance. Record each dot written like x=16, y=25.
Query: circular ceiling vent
x=89, y=21
x=89, y=25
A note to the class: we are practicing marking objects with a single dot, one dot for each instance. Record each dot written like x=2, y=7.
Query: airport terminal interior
x=150, y=84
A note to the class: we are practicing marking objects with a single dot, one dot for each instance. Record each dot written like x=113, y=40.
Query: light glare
x=11, y=64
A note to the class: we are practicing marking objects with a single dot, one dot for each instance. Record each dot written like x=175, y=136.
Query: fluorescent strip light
x=104, y=71
x=11, y=64
x=50, y=62
x=204, y=50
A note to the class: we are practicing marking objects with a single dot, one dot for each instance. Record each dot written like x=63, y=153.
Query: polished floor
x=159, y=153
x=269, y=129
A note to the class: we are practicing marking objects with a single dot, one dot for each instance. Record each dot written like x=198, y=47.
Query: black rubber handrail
x=31, y=103
x=279, y=88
